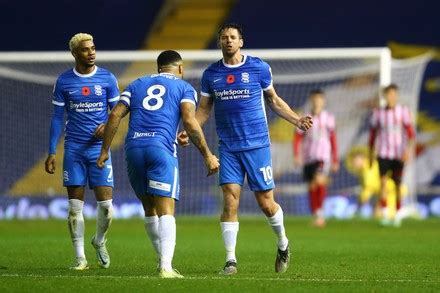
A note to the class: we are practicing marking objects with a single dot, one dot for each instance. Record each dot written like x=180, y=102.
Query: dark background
x=48, y=25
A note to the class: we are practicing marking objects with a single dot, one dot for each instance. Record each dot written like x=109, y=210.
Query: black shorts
x=311, y=169
x=391, y=167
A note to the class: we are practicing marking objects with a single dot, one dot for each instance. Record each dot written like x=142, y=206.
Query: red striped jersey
x=319, y=142
x=391, y=127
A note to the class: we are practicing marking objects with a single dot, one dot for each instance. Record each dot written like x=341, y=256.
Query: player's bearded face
x=86, y=54
x=230, y=42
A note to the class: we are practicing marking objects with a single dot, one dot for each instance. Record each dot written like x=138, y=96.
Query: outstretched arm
x=195, y=133
x=118, y=112
x=280, y=107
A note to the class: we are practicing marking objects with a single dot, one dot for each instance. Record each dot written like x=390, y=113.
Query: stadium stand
x=116, y=25
x=321, y=24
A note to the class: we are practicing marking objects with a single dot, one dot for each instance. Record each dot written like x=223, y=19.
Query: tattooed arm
x=117, y=113
x=195, y=133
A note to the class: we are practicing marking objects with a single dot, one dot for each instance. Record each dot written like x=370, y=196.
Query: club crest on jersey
x=85, y=91
x=98, y=90
x=245, y=77
x=230, y=78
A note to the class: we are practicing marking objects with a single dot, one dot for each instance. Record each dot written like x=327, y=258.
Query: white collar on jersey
x=85, y=75
x=235, y=65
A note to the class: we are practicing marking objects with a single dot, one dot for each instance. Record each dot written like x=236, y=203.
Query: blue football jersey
x=154, y=103
x=237, y=91
x=86, y=98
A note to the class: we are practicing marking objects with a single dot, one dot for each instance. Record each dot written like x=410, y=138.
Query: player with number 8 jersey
x=154, y=121
x=156, y=104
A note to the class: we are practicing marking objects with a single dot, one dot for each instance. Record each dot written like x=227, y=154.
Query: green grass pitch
x=348, y=256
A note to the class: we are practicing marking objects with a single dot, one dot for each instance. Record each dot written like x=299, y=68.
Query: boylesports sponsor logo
x=232, y=94
x=144, y=134
x=87, y=106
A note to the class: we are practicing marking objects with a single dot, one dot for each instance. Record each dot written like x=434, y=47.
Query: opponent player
x=85, y=92
x=393, y=127
x=157, y=103
x=319, y=154
x=236, y=85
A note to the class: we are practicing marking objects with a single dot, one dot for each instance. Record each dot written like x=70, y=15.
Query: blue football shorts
x=79, y=166
x=153, y=171
x=256, y=164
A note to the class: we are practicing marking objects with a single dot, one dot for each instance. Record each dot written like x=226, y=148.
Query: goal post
x=383, y=54
x=350, y=77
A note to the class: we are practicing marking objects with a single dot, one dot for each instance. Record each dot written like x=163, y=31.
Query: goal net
x=350, y=78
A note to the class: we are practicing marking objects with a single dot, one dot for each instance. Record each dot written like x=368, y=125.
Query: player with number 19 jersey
x=86, y=99
x=154, y=104
x=241, y=122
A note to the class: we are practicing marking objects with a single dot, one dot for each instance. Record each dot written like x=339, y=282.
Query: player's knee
x=231, y=201
x=103, y=193
x=268, y=207
x=230, y=195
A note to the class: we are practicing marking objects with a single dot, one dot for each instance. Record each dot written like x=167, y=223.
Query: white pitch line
x=223, y=278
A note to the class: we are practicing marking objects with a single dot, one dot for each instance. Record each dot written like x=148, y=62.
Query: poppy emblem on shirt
x=230, y=78
x=85, y=91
